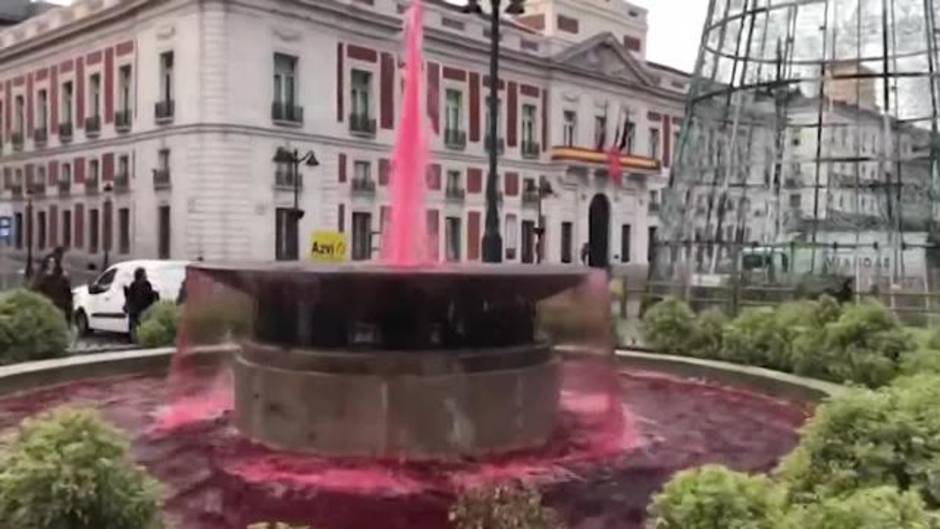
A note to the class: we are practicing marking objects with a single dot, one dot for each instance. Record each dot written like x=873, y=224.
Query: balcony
x=455, y=139
x=91, y=186
x=122, y=120
x=163, y=111
x=17, y=190
x=287, y=114
x=455, y=194
x=161, y=178
x=65, y=186
x=284, y=180
x=93, y=126
x=361, y=125
x=530, y=197
x=122, y=183
x=363, y=186
x=500, y=144
x=65, y=132
x=531, y=149
x=16, y=138
x=36, y=189
x=41, y=136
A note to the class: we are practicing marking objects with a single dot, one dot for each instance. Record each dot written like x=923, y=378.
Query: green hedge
x=70, y=470
x=158, y=325
x=875, y=508
x=31, y=328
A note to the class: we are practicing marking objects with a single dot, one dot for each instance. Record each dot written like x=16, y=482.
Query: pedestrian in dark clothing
x=138, y=297
x=55, y=285
x=585, y=253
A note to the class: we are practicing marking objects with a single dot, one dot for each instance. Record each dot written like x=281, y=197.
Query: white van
x=99, y=306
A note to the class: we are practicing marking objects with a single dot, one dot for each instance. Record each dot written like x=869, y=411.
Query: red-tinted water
x=598, y=471
x=405, y=243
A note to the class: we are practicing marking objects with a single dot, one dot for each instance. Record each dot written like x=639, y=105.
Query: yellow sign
x=328, y=247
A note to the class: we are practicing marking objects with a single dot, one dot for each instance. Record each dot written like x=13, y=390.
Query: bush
x=158, y=325
x=875, y=508
x=869, y=439
x=713, y=497
x=934, y=341
x=502, y=508
x=756, y=337
x=706, y=340
x=31, y=328
x=669, y=326
x=69, y=469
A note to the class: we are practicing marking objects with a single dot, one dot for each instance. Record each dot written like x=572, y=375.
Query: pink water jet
x=404, y=243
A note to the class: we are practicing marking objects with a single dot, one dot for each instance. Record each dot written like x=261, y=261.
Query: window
x=18, y=230
x=630, y=137
x=654, y=143
x=92, y=172
x=528, y=124
x=42, y=109
x=163, y=232
x=67, y=228
x=285, y=236
x=566, y=241
x=452, y=238
x=124, y=88
x=163, y=160
x=651, y=245
x=528, y=241
x=19, y=119
x=362, y=171
x=67, y=102
x=166, y=76
x=600, y=132
x=454, y=116
x=94, y=230
x=285, y=75
x=796, y=200
x=625, y=249
x=94, y=95
x=107, y=215
x=124, y=167
x=570, y=128
x=361, y=236
x=675, y=146
x=124, y=230
x=41, y=229
x=453, y=181
x=654, y=197
x=105, y=280
x=361, y=93
x=512, y=236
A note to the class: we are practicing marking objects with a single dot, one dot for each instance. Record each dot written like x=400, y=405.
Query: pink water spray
x=405, y=244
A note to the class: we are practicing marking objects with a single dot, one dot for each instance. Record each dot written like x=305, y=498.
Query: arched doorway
x=599, y=232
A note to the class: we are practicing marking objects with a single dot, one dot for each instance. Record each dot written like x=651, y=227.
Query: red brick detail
x=434, y=235
x=653, y=116
x=19, y=81
x=52, y=173
x=474, y=180
x=30, y=111
x=53, y=101
x=387, y=117
x=66, y=66
x=41, y=74
x=109, y=85
x=486, y=83
x=107, y=167
x=512, y=115
x=632, y=43
x=341, y=171
x=361, y=53
x=124, y=48
x=512, y=184
x=474, y=107
x=545, y=121
x=473, y=235
x=434, y=95
x=53, y=225
x=536, y=22
x=78, y=170
x=79, y=222
x=385, y=167
x=667, y=141
x=93, y=58
x=80, y=94
x=571, y=25
x=455, y=74
x=340, y=85
x=529, y=90
x=434, y=177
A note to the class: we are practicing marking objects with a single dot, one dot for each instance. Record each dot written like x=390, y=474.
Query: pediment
x=606, y=55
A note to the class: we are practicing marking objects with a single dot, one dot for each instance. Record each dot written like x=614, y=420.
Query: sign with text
x=328, y=247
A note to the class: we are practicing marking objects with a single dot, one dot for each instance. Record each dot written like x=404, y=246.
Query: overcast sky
x=675, y=27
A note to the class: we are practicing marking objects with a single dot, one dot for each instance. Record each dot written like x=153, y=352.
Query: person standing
x=52, y=283
x=138, y=297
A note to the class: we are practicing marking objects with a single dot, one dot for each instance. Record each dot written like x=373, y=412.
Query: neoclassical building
x=149, y=128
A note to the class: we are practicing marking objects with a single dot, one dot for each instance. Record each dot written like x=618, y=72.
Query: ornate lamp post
x=492, y=240
x=294, y=158
x=28, y=272
x=108, y=223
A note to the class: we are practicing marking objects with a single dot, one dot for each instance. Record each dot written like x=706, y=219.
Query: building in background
x=149, y=129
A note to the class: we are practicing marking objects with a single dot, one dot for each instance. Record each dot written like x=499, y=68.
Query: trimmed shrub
x=69, y=469
x=31, y=328
x=706, y=340
x=875, y=508
x=502, y=508
x=920, y=361
x=756, y=337
x=869, y=439
x=158, y=325
x=669, y=326
x=934, y=341
x=713, y=497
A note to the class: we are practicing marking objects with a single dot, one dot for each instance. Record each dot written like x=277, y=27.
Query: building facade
x=150, y=128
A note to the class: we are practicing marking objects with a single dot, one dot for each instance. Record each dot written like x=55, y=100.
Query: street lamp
x=492, y=240
x=28, y=272
x=294, y=158
x=108, y=189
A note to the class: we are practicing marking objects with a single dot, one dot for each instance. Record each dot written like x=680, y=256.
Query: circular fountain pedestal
x=427, y=363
